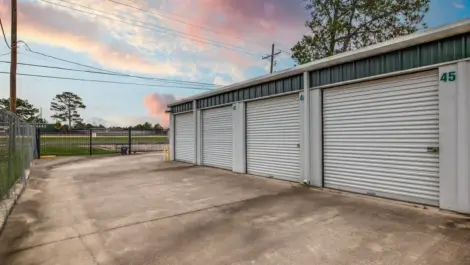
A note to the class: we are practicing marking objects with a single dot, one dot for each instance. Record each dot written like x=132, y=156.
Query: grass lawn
x=18, y=163
x=58, y=139
x=70, y=150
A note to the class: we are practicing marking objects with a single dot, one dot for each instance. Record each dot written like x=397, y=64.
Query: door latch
x=298, y=145
x=432, y=149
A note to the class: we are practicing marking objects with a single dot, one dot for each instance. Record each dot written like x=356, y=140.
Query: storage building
x=390, y=120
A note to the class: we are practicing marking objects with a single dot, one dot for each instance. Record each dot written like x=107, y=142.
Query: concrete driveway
x=137, y=210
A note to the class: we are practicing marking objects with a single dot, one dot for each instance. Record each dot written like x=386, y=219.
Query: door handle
x=298, y=145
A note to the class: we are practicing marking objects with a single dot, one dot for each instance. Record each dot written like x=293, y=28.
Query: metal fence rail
x=100, y=142
x=17, y=150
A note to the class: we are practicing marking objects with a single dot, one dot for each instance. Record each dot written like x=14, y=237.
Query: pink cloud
x=156, y=105
x=42, y=24
x=245, y=21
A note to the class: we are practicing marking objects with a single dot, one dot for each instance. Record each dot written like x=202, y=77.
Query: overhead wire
x=175, y=82
x=286, y=52
x=103, y=71
x=104, y=81
x=160, y=14
x=4, y=36
x=113, y=72
x=200, y=39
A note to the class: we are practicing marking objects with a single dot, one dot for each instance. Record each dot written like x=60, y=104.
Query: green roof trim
x=445, y=50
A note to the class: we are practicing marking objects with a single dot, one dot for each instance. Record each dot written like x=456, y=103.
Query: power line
x=106, y=71
x=103, y=81
x=175, y=82
x=3, y=54
x=63, y=60
x=286, y=52
x=157, y=13
x=103, y=71
x=202, y=39
x=4, y=36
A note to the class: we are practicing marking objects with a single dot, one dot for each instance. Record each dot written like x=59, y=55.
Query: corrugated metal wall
x=289, y=84
x=445, y=50
x=188, y=106
x=285, y=85
x=377, y=135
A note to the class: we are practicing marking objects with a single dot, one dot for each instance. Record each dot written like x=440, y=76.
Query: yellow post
x=166, y=153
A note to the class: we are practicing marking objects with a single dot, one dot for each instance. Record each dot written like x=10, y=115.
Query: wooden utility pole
x=271, y=57
x=14, y=56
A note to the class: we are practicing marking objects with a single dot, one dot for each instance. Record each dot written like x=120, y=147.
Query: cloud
x=247, y=22
x=457, y=5
x=39, y=24
x=156, y=105
x=127, y=47
x=221, y=81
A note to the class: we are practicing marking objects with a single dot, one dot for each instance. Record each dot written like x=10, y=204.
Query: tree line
x=65, y=108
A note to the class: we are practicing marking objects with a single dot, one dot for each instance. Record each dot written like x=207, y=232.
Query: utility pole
x=14, y=56
x=271, y=57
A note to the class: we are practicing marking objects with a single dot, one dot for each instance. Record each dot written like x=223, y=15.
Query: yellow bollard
x=166, y=153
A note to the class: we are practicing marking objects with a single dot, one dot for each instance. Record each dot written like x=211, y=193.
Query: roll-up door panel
x=185, y=137
x=379, y=138
x=273, y=137
x=217, y=133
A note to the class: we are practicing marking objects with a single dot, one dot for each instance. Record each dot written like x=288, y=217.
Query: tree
x=38, y=119
x=157, y=127
x=25, y=110
x=345, y=25
x=79, y=125
x=58, y=126
x=65, y=107
x=147, y=126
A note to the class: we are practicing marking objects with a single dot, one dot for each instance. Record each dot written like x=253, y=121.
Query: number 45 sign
x=448, y=77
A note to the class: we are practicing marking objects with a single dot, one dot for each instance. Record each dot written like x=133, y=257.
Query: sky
x=207, y=41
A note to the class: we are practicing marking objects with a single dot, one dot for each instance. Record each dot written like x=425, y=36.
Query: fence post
x=91, y=142
x=130, y=140
x=38, y=143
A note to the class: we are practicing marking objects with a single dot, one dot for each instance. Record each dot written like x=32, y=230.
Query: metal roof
x=417, y=38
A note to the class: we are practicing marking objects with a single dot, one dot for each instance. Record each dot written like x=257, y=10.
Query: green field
x=73, y=151
x=58, y=139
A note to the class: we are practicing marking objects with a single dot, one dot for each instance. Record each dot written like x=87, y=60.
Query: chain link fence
x=17, y=150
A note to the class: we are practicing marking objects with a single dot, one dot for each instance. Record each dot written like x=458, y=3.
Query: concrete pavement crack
x=138, y=223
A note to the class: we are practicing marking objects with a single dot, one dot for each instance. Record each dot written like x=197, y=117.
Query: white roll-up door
x=273, y=137
x=185, y=137
x=380, y=138
x=217, y=137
